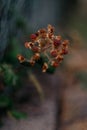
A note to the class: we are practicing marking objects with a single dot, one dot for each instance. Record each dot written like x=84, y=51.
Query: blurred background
x=50, y=101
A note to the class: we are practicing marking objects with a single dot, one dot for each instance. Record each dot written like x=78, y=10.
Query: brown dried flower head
x=45, y=44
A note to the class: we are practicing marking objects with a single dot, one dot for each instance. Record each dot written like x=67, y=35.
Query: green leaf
x=5, y=101
x=18, y=115
x=51, y=69
x=10, y=78
x=13, y=50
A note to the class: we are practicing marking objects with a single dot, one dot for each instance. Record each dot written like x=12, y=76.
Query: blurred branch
x=37, y=85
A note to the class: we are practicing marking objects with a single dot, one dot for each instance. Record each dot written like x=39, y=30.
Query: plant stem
x=37, y=85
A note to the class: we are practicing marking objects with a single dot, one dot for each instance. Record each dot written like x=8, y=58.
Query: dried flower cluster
x=45, y=44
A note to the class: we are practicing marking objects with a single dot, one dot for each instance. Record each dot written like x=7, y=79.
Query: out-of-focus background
x=50, y=101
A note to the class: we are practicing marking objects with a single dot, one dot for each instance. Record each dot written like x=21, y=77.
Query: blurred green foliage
x=10, y=81
x=9, y=77
x=21, y=23
x=17, y=115
x=12, y=51
x=5, y=102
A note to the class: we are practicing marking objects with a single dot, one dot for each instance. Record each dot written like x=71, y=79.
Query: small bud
x=37, y=34
x=50, y=29
x=65, y=42
x=65, y=51
x=32, y=62
x=27, y=45
x=59, y=58
x=50, y=35
x=36, y=56
x=53, y=53
x=33, y=36
x=59, y=38
x=42, y=31
x=55, y=64
x=45, y=67
x=35, y=49
x=56, y=42
x=21, y=58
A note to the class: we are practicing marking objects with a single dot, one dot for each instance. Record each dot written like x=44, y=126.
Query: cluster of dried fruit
x=45, y=44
